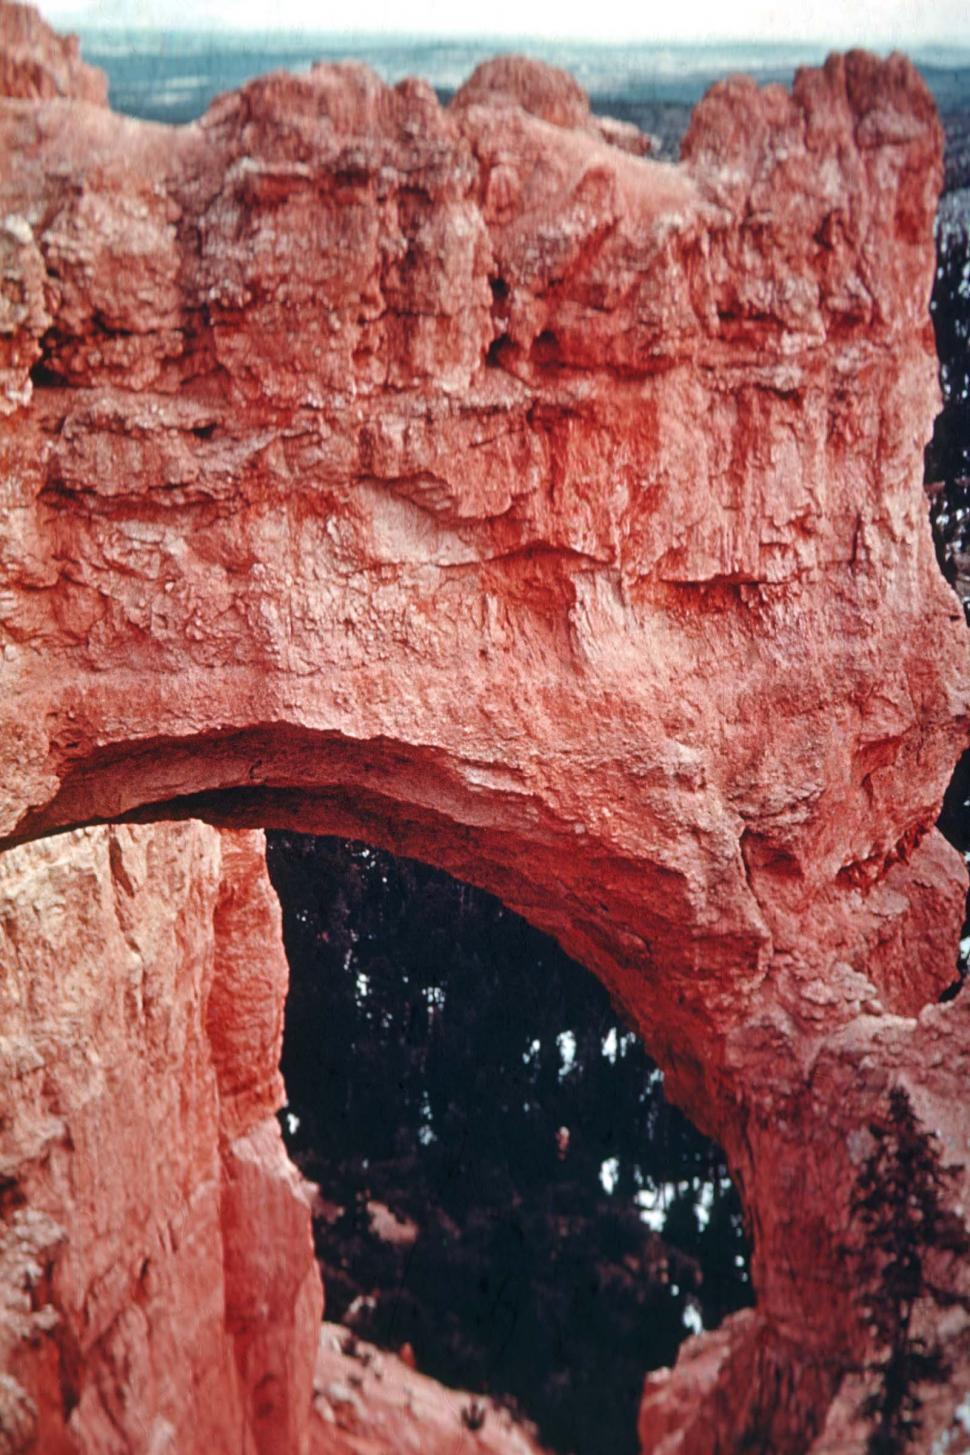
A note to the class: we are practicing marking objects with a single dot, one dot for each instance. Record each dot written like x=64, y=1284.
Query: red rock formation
x=552, y=95
x=458, y=481
x=36, y=64
x=368, y=1402
x=143, y=976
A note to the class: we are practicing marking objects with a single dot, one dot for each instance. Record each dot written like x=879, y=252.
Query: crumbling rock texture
x=138, y=1149
x=369, y=1402
x=37, y=64
x=458, y=481
x=553, y=96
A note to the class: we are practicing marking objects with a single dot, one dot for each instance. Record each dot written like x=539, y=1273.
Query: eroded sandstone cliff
x=140, y=997
x=462, y=482
x=37, y=63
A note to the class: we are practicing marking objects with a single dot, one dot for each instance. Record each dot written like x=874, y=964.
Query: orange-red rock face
x=36, y=64
x=462, y=482
x=138, y=1137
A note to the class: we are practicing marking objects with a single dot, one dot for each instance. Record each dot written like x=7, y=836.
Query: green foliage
x=899, y=1202
x=436, y=1047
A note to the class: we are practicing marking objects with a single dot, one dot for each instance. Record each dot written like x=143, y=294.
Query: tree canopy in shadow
x=504, y=1187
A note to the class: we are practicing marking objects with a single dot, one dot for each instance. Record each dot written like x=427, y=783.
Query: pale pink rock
x=550, y=94
x=684, y=1408
x=369, y=1402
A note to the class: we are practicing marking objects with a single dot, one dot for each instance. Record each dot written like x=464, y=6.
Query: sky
x=877, y=23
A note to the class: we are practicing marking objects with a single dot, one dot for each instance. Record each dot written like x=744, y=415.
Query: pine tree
x=899, y=1201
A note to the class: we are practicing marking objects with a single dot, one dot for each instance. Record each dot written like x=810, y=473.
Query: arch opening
x=504, y=1191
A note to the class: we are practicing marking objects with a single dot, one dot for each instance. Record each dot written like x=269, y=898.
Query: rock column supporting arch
x=142, y=977
x=462, y=481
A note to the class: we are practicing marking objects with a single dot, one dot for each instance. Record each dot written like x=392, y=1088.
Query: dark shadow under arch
x=449, y=1065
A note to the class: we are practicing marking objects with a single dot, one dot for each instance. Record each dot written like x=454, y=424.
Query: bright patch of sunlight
x=609, y=1172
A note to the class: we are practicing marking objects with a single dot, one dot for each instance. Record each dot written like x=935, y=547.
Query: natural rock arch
x=458, y=481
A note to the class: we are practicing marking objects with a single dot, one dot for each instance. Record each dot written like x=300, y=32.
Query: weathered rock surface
x=551, y=95
x=369, y=1402
x=458, y=481
x=137, y=1154
x=37, y=64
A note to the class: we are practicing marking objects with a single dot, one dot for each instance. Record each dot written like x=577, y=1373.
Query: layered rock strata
x=461, y=482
